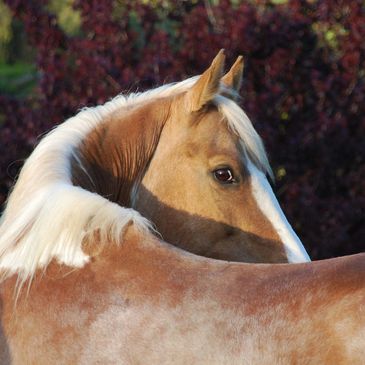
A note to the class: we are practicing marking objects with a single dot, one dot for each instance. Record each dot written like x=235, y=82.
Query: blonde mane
x=47, y=217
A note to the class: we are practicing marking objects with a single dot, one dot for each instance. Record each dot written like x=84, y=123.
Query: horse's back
x=140, y=303
x=318, y=312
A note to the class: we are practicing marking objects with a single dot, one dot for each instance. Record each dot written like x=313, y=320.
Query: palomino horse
x=103, y=288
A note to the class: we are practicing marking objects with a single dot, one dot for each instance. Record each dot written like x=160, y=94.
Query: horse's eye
x=224, y=175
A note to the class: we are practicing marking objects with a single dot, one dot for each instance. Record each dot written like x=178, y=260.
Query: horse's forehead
x=212, y=130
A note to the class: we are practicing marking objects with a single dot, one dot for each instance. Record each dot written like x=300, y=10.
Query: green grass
x=18, y=79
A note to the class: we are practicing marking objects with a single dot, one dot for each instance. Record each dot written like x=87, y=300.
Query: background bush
x=303, y=87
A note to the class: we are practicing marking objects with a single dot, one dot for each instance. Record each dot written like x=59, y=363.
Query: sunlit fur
x=146, y=301
x=45, y=197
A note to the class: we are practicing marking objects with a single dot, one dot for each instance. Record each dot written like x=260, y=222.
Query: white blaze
x=270, y=207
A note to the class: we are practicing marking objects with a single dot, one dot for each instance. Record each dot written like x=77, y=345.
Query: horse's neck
x=115, y=155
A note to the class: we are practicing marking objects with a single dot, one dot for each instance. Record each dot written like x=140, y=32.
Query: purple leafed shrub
x=304, y=89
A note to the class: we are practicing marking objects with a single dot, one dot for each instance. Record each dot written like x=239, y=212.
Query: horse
x=124, y=226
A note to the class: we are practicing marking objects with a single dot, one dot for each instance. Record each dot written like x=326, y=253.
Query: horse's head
x=205, y=188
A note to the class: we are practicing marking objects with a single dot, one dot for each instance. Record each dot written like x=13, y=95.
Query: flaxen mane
x=48, y=216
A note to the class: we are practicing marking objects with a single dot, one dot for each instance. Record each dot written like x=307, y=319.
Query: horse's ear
x=207, y=85
x=233, y=78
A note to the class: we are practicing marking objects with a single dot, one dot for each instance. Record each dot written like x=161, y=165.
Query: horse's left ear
x=233, y=78
x=207, y=85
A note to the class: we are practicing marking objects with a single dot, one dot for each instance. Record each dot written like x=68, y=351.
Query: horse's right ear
x=207, y=85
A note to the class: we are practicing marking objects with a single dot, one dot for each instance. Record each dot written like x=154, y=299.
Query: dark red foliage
x=304, y=92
